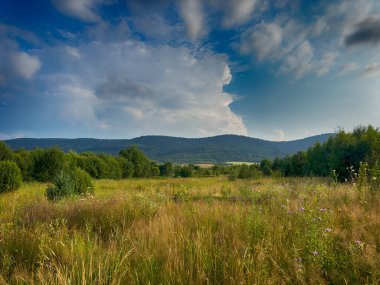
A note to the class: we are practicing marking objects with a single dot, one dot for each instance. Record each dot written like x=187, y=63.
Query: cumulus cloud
x=347, y=68
x=192, y=13
x=84, y=10
x=367, y=32
x=134, y=89
x=371, y=70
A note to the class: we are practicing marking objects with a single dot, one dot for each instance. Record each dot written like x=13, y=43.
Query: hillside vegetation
x=217, y=149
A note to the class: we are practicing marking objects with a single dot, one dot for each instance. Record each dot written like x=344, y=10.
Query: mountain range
x=217, y=149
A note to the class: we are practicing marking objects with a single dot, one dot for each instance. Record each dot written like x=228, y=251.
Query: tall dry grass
x=192, y=231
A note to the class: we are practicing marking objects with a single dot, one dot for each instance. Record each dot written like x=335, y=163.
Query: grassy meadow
x=192, y=231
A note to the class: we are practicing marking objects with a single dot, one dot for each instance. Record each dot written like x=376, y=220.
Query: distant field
x=192, y=231
x=241, y=162
x=205, y=165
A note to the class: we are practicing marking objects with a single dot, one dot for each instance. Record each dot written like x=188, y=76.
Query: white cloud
x=303, y=48
x=280, y=134
x=324, y=65
x=264, y=40
x=191, y=11
x=235, y=12
x=17, y=64
x=136, y=89
x=371, y=70
x=347, y=68
x=74, y=52
x=24, y=65
x=299, y=61
x=82, y=9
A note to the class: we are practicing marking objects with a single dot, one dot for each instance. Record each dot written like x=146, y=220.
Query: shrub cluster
x=73, y=183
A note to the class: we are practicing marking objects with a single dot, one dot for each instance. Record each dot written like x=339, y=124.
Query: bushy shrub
x=71, y=183
x=47, y=163
x=10, y=176
x=82, y=182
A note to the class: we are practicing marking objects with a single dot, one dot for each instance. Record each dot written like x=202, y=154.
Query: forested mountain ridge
x=216, y=149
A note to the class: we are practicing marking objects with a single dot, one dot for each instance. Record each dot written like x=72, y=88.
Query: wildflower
x=359, y=243
x=315, y=253
x=298, y=259
x=374, y=178
x=302, y=209
x=322, y=209
x=328, y=230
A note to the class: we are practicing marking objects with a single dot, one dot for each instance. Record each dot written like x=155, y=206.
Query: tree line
x=340, y=157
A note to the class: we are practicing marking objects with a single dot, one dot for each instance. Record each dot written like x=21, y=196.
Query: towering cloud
x=135, y=88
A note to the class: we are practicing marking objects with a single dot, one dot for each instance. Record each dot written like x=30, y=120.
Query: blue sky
x=273, y=69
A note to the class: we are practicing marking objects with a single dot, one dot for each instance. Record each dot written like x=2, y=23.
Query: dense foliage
x=340, y=156
x=10, y=176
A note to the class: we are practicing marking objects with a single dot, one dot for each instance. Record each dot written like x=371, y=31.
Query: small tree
x=10, y=176
x=266, y=167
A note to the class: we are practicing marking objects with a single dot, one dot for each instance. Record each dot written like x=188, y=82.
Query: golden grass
x=192, y=231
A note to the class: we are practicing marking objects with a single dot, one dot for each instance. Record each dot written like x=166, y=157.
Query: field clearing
x=241, y=163
x=192, y=231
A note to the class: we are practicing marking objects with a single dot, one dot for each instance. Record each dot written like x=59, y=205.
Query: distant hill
x=216, y=149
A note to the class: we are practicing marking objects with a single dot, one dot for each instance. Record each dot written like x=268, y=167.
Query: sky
x=271, y=69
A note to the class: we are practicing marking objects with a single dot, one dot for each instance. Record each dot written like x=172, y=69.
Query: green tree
x=47, y=163
x=5, y=152
x=266, y=167
x=10, y=176
x=167, y=169
x=127, y=167
x=142, y=166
